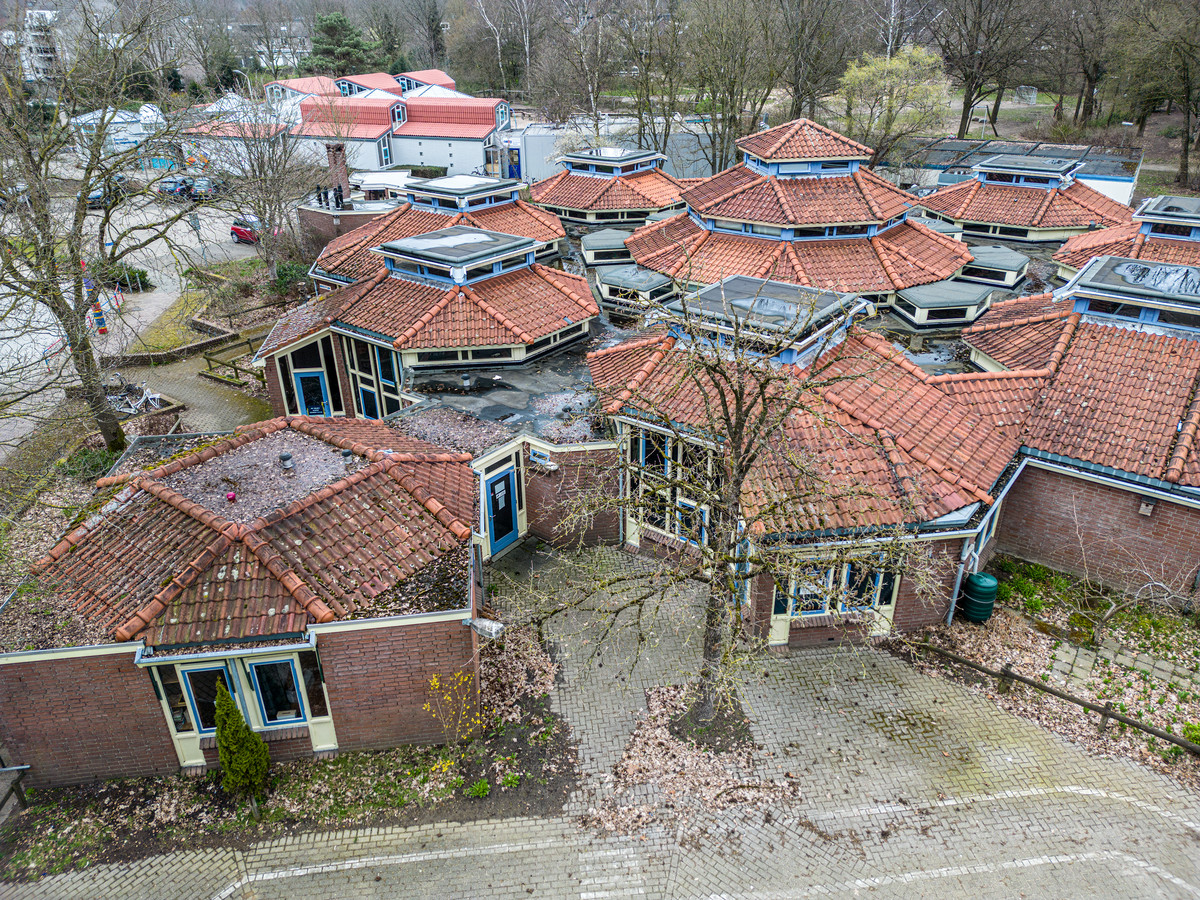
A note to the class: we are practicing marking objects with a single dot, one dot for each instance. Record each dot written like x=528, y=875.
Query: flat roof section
x=612, y=155
x=458, y=245
x=773, y=303
x=463, y=185
x=945, y=294
x=997, y=257
x=605, y=239
x=632, y=278
x=1141, y=278
x=1181, y=209
x=1038, y=165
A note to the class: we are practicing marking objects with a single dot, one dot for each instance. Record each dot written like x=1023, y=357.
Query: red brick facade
x=377, y=680
x=80, y=719
x=320, y=226
x=552, y=496
x=275, y=392
x=1095, y=530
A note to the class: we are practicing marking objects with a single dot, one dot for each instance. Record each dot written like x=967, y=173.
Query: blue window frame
x=201, y=685
x=313, y=393
x=500, y=500
x=276, y=684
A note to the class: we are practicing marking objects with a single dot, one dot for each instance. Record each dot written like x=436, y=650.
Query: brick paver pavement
x=911, y=787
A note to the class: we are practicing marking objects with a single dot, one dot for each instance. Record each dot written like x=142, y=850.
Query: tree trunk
x=1078, y=104
x=996, y=108
x=83, y=355
x=714, y=626
x=1184, y=175
x=1089, y=96
x=964, y=120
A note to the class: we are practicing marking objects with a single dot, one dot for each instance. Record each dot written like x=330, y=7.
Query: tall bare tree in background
x=818, y=39
x=582, y=57
x=735, y=63
x=653, y=43
x=984, y=42
x=47, y=232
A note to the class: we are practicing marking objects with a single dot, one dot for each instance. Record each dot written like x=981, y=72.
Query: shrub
x=1191, y=731
x=510, y=780
x=89, y=465
x=243, y=754
x=1004, y=593
x=128, y=278
x=1024, y=587
x=479, y=789
x=1171, y=132
x=287, y=274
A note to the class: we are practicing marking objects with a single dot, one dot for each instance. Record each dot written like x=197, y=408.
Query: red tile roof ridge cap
x=1064, y=339
x=639, y=377
x=274, y=563
x=688, y=255
x=866, y=195
x=425, y=456
x=881, y=248
x=1007, y=374
x=797, y=265
x=910, y=447
x=772, y=260
x=1138, y=243
x=484, y=304
x=243, y=435
x=632, y=344
x=1043, y=207
x=1187, y=436
x=173, y=498
x=970, y=192
x=548, y=219
x=948, y=242
x=1079, y=201
x=903, y=254
x=414, y=329
x=546, y=183
x=320, y=494
x=550, y=276
x=784, y=202
x=801, y=123
x=173, y=588
x=408, y=480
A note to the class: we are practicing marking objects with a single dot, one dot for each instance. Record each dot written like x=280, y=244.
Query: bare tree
x=982, y=42
x=206, y=27
x=652, y=35
x=817, y=42
x=735, y=64
x=54, y=250
x=728, y=459
x=581, y=58
x=277, y=42
x=427, y=36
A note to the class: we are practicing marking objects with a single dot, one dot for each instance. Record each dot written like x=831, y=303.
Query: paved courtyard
x=910, y=787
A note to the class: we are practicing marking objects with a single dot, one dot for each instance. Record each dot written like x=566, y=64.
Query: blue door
x=501, y=503
x=312, y=393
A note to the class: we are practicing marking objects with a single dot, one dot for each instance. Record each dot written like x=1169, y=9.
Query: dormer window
x=1171, y=230
x=399, y=115
x=835, y=166
x=1002, y=177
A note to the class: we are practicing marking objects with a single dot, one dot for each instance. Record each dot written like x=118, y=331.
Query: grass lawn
x=171, y=330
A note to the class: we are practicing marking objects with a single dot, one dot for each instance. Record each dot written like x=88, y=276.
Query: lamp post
x=249, y=86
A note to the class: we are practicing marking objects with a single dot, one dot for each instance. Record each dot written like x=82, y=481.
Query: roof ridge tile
x=415, y=328
x=407, y=480
x=273, y=561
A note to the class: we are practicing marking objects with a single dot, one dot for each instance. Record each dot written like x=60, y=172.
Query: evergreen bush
x=243, y=754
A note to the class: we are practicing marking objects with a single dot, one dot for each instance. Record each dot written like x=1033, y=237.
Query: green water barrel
x=979, y=597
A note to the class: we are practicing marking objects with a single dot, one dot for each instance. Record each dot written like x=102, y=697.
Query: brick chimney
x=336, y=154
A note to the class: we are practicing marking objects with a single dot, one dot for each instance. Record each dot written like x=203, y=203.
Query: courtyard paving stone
x=910, y=787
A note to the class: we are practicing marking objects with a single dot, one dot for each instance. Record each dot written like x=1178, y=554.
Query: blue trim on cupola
x=809, y=168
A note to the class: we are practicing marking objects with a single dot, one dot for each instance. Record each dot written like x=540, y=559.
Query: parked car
x=245, y=230
x=175, y=187
x=206, y=189
x=108, y=191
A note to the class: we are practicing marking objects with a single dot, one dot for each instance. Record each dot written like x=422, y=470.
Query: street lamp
x=249, y=86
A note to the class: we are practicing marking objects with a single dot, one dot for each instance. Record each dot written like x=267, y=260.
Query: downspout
x=962, y=564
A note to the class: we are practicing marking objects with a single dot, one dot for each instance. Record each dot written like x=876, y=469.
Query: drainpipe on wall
x=962, y=564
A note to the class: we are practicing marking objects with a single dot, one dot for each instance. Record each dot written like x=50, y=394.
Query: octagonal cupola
x=802, y=149
x=1174, y=218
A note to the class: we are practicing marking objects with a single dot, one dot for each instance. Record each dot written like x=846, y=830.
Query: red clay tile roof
x=903, y=256
x=1024, y=332
x=155, y=565
x=859, y=198
x=1109, y=395
x=299, y=323
x=346, y=117
x=517, y=307
x=321, y=85
x=349, y=257
x=802, y=139
x=473, y=118
x=1027, y=207
x=649, y=189
x=896, y=448
x=446, y=130
x=240, y=130
x=374, y=80
x=431, y=76
x=1127, y=242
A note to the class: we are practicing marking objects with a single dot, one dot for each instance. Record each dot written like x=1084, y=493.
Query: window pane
x=387, y=369
x=203, y=685
x=307, y=357
x=335, y=389
x=181, y=718
x=277, y=691
x=656, y=451
x=362, y=356
x=887, y=587
x=860, y=586
x=289, y=392
x=310, y=669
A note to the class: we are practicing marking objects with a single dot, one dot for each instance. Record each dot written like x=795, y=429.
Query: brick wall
x=343, y=377
x=378, y=680
x=274, y=391
x=320, y=226
x=551, y=497
x=1082, y=527
x=81, y=719
x=297, y=744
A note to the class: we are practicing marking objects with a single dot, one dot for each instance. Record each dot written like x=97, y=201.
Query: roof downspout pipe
x=962, y=564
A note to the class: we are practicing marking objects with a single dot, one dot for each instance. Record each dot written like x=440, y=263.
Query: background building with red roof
x=803, y=208
x=608, y=185
x=1025, y=198
x=1164, y=229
